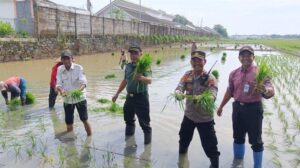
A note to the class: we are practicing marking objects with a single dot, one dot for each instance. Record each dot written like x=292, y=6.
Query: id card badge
x=246, y=88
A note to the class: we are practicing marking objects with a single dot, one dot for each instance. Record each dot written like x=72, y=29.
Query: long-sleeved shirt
x=71, y=80
x=242, y=83
x=193, y=85
x=53, y=75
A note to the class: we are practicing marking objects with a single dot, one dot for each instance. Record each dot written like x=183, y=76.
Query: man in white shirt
x=70, y=77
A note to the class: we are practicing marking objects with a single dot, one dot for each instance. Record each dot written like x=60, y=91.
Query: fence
x=54, y=22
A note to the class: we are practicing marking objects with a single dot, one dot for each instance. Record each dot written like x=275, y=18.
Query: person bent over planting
x=137, y=99
x=16, y=86
x=247, y=90
x=197, y=83
x=71, y=84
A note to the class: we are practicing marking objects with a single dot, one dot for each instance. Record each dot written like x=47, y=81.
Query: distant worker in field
x=194, y=83
x=247, y=115
x=16, y=86
x=194, y=46
x=53, y=92
x=123, y=59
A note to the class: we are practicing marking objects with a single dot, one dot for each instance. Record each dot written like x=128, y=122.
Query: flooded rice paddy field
x=35, y=136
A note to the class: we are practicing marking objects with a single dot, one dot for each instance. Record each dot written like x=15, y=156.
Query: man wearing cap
x=53, y=91
x=70, y=77
x=16, y=86
x=193, y=83
x=137, y=99
x=247, y=113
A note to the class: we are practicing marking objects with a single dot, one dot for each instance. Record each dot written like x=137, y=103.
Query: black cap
x=66, y=53
x=198, y=54
x=246, y=48
x=135, y=48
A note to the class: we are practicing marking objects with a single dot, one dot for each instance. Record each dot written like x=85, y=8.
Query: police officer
x=247, y=113
x=195, y=82
x=137, y=99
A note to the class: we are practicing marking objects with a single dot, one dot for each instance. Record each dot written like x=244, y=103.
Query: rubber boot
x=147, y=138
x=214, y=162
x=129, y=130
x=239, y=151
x=257, y=157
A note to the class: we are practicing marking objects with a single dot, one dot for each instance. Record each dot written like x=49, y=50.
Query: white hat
x=2, y=86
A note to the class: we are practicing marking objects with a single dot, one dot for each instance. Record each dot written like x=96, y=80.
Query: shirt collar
x=72, y=67
x=248, y=69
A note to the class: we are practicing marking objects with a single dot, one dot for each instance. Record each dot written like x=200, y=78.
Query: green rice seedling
x=185, y=48
x=206, y=102
x=215, y=73
x=123, y=97
x=14, y=104
x=74, y=95
x=182, y=56
x=276, y=162
x=112, y=53
x=263, y=74
x=223, y=59
x=61, y=155
x=103, y=100
x=158, y=61
x=115, y=108
x=110, y=76
x=29, y=152
x=32, y=139
x=143, y=65
x=41, y=125
x=30, y=98
x=17, y=148
x=155, y=51
x=224, y=54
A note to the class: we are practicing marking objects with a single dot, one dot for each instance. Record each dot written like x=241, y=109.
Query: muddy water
x=35, y=137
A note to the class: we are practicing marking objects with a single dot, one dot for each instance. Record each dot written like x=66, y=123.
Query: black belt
x=247, y=104
x=136, y=94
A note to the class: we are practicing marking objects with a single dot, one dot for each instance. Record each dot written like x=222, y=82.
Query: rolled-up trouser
x=138, y=104
x=247, y=118
x=23, y=89
x=52, y=97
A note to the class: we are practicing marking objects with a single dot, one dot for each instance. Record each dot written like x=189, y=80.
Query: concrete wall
x=7, y=11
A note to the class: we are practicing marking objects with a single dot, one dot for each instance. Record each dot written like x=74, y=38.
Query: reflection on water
x=51, y=146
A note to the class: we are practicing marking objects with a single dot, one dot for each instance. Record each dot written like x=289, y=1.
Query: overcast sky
x=238, y=16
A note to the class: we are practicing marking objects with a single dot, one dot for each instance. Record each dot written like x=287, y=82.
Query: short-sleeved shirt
x=194, y=85
x=70, y=80
x=134, y=86
x=242, y=83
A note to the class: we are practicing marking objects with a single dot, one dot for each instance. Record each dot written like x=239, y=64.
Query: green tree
x=182, y=20
x=221, y=30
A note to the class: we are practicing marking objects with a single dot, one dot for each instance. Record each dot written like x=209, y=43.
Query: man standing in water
x=247, y=113
x=194, y=46
x=16, y=86
x=137, y=99
x=53, y=91
x=195, y=82
x=70, y=77
x=123, y=59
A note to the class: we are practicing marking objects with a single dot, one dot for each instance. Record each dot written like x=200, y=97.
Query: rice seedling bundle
x=14, y=104
x=182, y=56
x=263, y=74
x=74, y=95
x=158, y=61
x=215, y=73
x=30, y=98
x=103, y=100
x=143, y=65
x=110, y=76
x=205, y=101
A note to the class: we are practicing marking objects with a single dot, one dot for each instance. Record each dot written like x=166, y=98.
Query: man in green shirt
x=137, y=99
